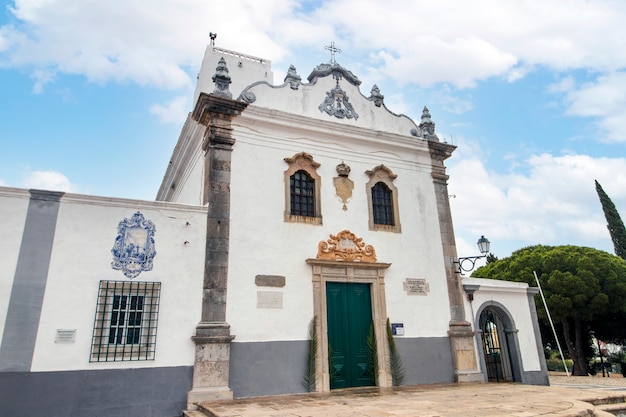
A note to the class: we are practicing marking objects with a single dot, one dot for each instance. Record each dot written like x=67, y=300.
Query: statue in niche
x=343, y=184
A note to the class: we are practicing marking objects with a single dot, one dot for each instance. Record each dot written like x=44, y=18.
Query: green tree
x=585, y=289
x=614, y=222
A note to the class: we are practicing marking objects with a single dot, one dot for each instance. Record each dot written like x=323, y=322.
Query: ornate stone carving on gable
x=376, y=97
x=427, y=126
x=345, y=246
x=293, y=78
x=337, y=104
x=343, y=184
x=134, y=250
x=222, y=80
x=336, y=70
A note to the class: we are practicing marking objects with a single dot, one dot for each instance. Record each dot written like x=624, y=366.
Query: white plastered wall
x=514, y=297
x=81, y=257
x=263, y=243
x=183, y=178
x=13, y=208
x=243, y=70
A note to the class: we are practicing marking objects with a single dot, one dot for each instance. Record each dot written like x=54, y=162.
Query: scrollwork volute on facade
x=345, y=246
x=293, y=78
x=248, y=97
x=222, y=80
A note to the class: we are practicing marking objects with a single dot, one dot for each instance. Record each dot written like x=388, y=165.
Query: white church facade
x=301, y=240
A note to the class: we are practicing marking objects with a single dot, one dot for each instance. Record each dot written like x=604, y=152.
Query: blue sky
x=532, y=92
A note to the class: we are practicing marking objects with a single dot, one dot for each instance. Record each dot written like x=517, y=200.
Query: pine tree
x=615, y=223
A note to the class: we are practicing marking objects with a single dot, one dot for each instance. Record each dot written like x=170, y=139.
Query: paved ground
x=565, y=397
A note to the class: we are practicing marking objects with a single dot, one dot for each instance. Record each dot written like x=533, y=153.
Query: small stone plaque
x=65, y=336
x=269, y=299
x=269, y=281
x=416, y=286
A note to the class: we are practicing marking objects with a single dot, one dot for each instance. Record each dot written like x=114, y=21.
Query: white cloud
x=41, y=78
x=175, y=111
x=47, y=180
x=151, y=43
x=553, y=202
x=426, y=42
x=451, y=101
x=604, y=100
x=565, y=85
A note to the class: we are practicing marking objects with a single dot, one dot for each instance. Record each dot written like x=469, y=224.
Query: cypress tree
x=614, y=222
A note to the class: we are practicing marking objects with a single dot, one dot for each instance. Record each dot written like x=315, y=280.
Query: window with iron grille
x=302, y=188
x=382, y=204
x=125, y=325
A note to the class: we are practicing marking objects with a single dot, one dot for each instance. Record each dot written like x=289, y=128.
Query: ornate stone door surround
x=345, y=258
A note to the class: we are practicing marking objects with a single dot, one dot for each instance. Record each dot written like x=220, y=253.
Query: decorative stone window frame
x=338, y=260
x=305, y=162
x=383, y=174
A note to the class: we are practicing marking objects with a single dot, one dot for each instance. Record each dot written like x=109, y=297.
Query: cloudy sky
x=533, y=93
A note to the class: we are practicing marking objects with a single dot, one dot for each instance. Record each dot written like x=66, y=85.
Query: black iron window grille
x=125, y=325
x=302, y=189
x=382, y=204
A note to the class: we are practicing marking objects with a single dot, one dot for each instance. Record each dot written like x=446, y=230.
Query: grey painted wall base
x=154, y=392
x=426, y=360
x=535, y=378
x=274, y=368
x=267, y=368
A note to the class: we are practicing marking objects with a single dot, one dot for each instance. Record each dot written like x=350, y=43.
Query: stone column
x=461, y=335
x=212, y=338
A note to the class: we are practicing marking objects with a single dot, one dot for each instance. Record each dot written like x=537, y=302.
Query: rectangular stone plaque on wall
x=269, y=299
x=65, y=336
x=416, y=286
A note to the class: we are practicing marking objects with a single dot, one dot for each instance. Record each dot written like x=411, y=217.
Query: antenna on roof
x=212, y=36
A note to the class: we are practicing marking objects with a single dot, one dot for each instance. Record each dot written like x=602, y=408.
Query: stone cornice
x=303, y=126
x=440, y=151
x=209, y=105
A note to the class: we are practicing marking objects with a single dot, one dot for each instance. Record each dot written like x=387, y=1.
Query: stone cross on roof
x=332, y=50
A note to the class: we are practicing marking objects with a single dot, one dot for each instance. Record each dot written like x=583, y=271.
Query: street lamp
x=470, y=261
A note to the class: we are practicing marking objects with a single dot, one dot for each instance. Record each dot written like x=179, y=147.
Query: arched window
x=302, y=190
x=383, y=200
x=382, y=204
x=302, y=193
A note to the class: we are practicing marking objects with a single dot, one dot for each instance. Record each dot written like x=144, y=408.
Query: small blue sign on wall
x=397, y=329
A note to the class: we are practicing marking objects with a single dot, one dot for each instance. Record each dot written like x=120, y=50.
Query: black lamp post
x=467, y=263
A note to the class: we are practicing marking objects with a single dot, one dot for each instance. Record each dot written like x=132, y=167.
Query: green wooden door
x=349, y=310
